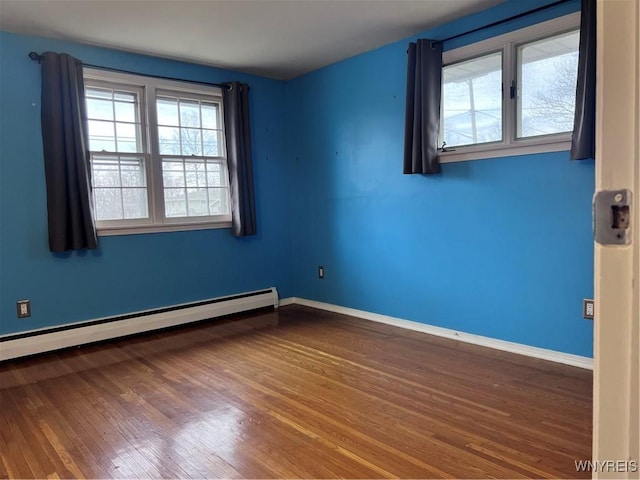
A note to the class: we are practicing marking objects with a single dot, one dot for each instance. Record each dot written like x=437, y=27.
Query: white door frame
x=616, y=403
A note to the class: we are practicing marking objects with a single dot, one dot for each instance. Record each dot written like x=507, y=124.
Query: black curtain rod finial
x=35, y=57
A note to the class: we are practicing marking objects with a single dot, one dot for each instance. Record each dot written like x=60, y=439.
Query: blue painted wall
x=499, y=247
x=127, y=273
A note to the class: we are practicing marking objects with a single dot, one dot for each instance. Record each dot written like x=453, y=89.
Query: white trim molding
x=518, y=348
x=287, y=301
x=616, y=378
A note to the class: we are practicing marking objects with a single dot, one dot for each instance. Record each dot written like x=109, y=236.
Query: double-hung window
x=511, y=94
x=157, y=149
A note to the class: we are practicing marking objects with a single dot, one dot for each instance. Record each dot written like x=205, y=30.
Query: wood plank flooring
x=297, y=393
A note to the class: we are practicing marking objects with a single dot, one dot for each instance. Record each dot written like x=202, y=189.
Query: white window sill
x=176, y=227
x=482, y=152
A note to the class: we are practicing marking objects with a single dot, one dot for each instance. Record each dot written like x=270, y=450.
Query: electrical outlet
x=24, y=308
x=321, y=272
x=588, y=308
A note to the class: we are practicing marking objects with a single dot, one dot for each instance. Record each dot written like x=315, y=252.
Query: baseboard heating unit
x=74, y=334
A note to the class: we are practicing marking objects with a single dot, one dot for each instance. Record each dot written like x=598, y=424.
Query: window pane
x=127, y=97
x=214, y=175
x=134, y=201
x=173, y=174
x=195, y=174
x=167, y=111
x=210, y=143
x=101, y=136
x=94, y=92
x=198, y=202
x=108, y=203
x=191, y=141
x=218, y=201
x=173, y=179
x=472, y=101
x=125, y=112
x=99, y=109
x=189, y=114
x=117, y=172
x=169, y=140
x=127, y=137
x=132, y=172
x=175, y=204
x=548, y=70
x=106, y=172
x=209, y=115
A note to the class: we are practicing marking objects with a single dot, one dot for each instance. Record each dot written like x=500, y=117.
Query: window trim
x=149, y=88
x=507, y=43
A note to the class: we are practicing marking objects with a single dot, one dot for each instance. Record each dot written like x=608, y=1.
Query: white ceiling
x=274, y=38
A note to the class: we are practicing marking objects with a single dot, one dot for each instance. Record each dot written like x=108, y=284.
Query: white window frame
x=149, y=87
x=508, y=44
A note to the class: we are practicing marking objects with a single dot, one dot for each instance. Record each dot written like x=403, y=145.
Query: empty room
x=319, y=239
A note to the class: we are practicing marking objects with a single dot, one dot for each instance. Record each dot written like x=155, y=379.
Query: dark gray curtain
x=238, y=135
x=583, y=143
x=65, y=144
x=422, y=117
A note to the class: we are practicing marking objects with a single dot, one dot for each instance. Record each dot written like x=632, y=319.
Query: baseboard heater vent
x=70, y=335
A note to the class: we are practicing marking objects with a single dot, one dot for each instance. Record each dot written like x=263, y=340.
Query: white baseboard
x=43, y=340
x=287, y=301
x=536, y=352
x=70, y=335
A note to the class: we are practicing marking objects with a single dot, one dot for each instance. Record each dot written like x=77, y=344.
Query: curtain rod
x=504, y=20
x=38, y=58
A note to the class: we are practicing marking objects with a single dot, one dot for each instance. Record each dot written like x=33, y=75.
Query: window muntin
x=472, y=101
x=169, y=173
x=547, y=76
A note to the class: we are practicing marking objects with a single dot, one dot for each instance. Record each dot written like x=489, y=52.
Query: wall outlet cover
x=23, y=308
x=588, y=308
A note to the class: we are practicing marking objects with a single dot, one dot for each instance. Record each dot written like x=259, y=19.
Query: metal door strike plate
x=612, y=217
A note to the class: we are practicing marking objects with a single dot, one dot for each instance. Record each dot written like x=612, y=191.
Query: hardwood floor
x=297, y=393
